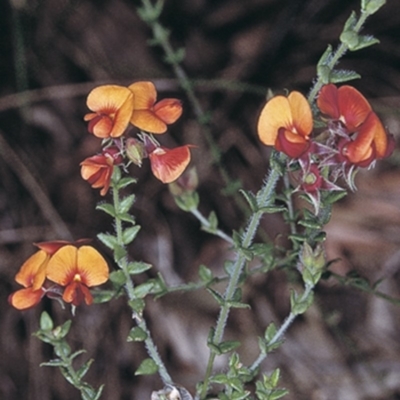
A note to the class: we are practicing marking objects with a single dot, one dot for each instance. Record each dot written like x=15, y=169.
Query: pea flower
x=77, y=269
x=151, y=116
x=112, y=107
x=32, y=276
x=286, y=123
x=98, y=169
x=168, y=165
x=361, y=137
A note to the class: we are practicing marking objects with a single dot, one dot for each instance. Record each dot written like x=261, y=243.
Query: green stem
x=205, y=222
x=339, y=53
x=281, y=331
x=265, y=198
x=129, y=287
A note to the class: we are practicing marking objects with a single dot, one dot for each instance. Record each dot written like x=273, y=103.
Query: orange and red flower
x=365, y=138
x=77, y=269
x=32, y=276
x=168, y=165
x=112, y=108
x=286, y=123
x=151, y=116
x=98, y=169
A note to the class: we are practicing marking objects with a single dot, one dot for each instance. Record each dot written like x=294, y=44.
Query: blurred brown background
x=347, y=346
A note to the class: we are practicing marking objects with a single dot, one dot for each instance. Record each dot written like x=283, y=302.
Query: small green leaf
x=119, y=253
x=137, y=334
x=126, y=203
x=372, y=6
x=143, y=290
x=270, y=332
x=54, y=363
x=219, y=299
x=81, y=372
x=138, y=267
x=137, y=305
x=107, y=239
x=62, y=349
x=118, y=278
x=342, y=75
x=61, y=331
x=147, y=367
x=107, y=208
x=205, y=274
x=351, y=22
x=188, y=201
x=251, y=199
x=228, y=346
x=129, y=234
x=212, y=226
x=124, y=182
x=46, y=323
x=98, y=393
x=126, y=217
x=326, y=57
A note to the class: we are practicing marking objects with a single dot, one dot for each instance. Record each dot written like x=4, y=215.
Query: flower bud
x=135, y=151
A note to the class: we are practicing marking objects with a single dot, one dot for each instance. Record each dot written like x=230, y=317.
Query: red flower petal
x=168, y=164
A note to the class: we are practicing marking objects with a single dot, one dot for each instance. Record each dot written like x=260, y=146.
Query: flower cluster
x=73, y=266
x=353, y=136
x=113, y=109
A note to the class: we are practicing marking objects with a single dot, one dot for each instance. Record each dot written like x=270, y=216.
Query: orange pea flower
x=286, y=123
x=367, y=139
x=77, y=269
x=168, y=165
x=98, y=169
x=32, y=276
x=151, y=116
x=112, y=108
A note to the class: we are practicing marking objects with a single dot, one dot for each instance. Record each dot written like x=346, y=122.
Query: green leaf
x=98, y=393
x=119, y=253
x=46, y=323
x=365, y=41
x=342, y=75
x=326, y=57
x=351, y=22
x=143, y=290
x=188, y=201
x=124, y=182
x=62, y=349
x=107, y=239
x=219, y=299
x=137, y=334
x=54, y=363
x=137, y=305
x=126, y=217
x=270, y=332
x=205, y=274
x=126, y=203
x=81, y=372
x=372, y=6
x=107, y=208
x=251, y=199
x=212, y=226
x=118, y=278
x=332, y=197
x=228, y=346
x=138, y=267
x=129, y=234
x=300, y=305
x=147, y=367
x=61, y=331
